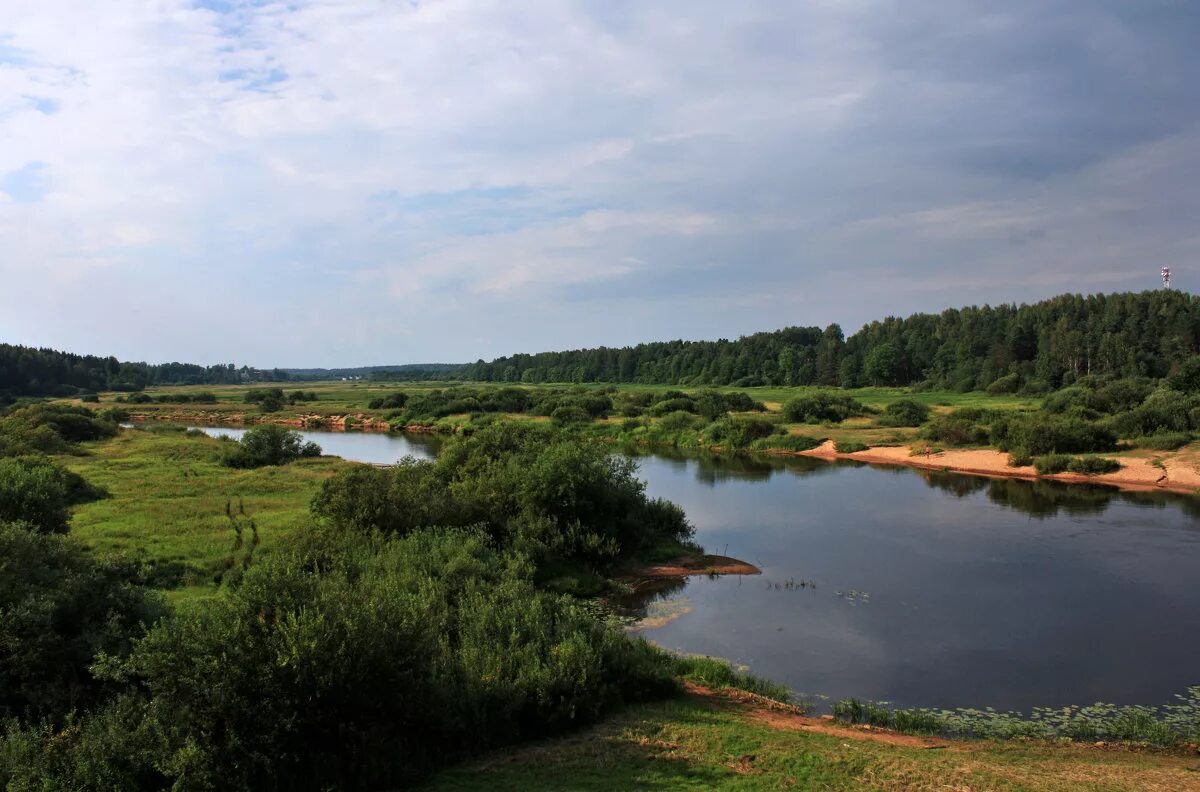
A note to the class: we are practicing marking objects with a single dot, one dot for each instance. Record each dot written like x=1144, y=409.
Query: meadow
x=174, y=507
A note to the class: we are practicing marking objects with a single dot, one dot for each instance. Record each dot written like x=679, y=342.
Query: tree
x=60, y=607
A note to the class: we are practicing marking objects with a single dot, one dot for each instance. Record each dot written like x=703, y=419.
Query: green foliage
x=1091, y=466
x=530, y=487
x=269, y=444
x=39, y=493
x=360, y=663
x=1165, y=441
x=393, y=401
x=787, y=443
x=718, y=674
x=1044, y=345
x=822, y=407
x=850, y=446
x=71, y=424
x=1168, y=725
x=959, y=428
x=59, y=608
x=1009, y=383
x=1019, y=458
x=904, y=412
x=1051, y=463
x=1039, y=433
x=569, y=414
x=734, y=433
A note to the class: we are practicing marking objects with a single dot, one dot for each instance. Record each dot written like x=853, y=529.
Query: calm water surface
x=930, y=589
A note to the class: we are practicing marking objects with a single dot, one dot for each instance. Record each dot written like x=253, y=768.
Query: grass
x=698, y=743
x=167, y=505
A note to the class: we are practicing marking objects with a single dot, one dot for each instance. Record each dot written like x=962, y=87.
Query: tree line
x=1031, y=348
x=30, y=371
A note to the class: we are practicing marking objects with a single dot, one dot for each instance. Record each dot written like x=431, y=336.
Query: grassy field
x=710, y=743
x=167, y=505
x=339, y=398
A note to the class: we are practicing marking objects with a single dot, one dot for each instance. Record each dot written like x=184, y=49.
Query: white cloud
x=352, y=162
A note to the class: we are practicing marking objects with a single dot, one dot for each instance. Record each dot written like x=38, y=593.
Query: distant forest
x=26, y=371
x=1031, y=348
x=1007, y=348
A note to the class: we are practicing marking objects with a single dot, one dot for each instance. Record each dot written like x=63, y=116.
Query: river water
x=920, y=588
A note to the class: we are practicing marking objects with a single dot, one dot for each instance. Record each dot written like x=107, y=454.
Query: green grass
x=168, y=494
x=696, y=743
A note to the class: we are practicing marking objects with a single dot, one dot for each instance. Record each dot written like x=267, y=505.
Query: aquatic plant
x=1170, y=724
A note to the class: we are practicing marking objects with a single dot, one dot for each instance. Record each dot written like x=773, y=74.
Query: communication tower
x=1166, y=276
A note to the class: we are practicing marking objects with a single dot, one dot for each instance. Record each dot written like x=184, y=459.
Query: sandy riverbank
x=1137, y=473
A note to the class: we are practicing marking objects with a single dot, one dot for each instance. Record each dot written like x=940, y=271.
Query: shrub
x=850, y=446
x=360, y=663
x=39, y=493
x=393, y=401
x=1020, y=458
x=739, y=432
x=956, y=429
x=1051, y=463
x=1091, y=466
x=904, y=412
x=1009, y=383
x=678, y=421
x=822, y=407
x=1165, y=441
x=1162, y=411
x=527, y=485
x=268, y=444
x=60, y=607
x=570, y=414
x=1038, y=433
x=788, y=442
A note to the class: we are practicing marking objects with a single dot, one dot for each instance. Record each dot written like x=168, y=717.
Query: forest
x=1031, y=349
x=1008, y=348
x=30, y=371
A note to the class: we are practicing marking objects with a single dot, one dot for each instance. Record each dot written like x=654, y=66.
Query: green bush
x=554, y=497
x=718, y=674
x=822, y=407
x=1051, y=463
x=268, y=444
x=570, y=414
x=956, y=429
x=787, y=442
x=850, y=446
x=36, y=491
x=359, y=663
x=59, y=608
x=739, y=432
x=904, y=412
x=1009, y=383
x=1039, y=433
x=679, y=421
x=1165, y=441
x=392, y=401
x=1091, y=466
x=1019, y=458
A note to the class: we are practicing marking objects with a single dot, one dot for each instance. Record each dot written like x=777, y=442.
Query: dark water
x=930, y=589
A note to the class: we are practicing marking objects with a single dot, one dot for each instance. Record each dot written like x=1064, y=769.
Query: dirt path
x=1136, y=473
x=786, y=717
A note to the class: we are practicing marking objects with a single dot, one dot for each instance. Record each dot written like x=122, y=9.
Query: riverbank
x=1166, y=472
x=708, y=739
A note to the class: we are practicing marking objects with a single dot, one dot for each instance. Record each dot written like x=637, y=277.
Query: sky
x=352, y=183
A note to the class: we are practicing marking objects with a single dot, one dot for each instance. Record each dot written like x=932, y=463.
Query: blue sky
x=350, y=183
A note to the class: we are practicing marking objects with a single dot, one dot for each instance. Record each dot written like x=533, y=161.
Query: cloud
x=386, y=182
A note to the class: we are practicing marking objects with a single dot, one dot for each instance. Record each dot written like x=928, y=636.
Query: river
x=920, y=588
